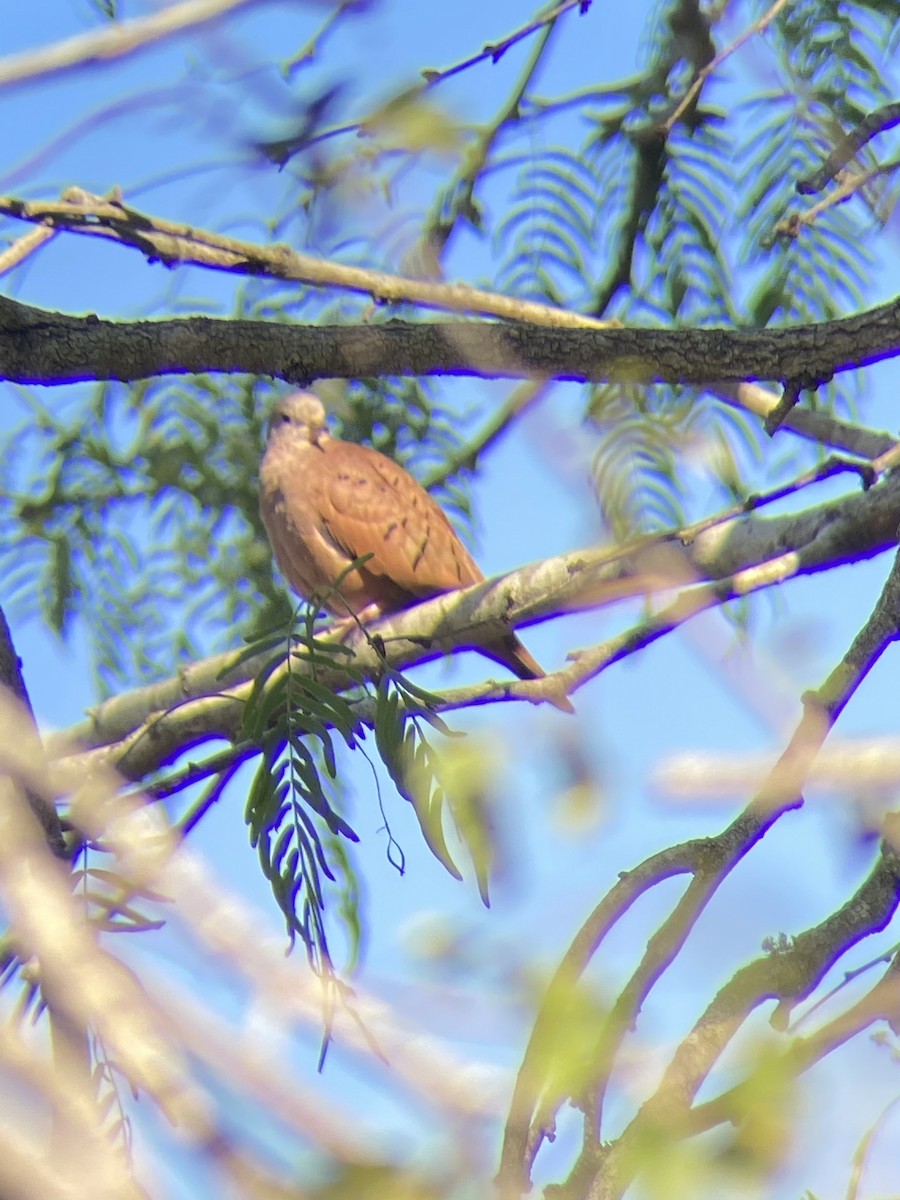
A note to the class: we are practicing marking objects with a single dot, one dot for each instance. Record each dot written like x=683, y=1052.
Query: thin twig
x=492, y=52
x=850, y=184
x=819, y=427
x=850, y=144
x=438, y=229
x=27, y=244
x=704, y=73
x=468, y=456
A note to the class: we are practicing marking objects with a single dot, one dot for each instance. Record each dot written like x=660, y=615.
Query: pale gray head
x=300, y=416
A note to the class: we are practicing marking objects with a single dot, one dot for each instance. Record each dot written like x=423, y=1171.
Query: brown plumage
x=325, y=503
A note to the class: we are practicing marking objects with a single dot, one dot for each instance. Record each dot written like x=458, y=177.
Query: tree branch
x=178, y=245
x=819, y=427
x=41, y=347
x=710, y=861
x=787, y=974
x=12, y=680
x=862, y=524
x=881, y=1003
x=112, y=41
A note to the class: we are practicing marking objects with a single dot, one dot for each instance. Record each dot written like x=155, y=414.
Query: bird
x=325, y=503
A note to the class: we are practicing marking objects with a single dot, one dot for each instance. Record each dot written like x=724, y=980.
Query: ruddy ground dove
x=326, y=503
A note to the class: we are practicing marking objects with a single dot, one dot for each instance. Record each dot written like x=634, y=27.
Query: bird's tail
x=510, y=652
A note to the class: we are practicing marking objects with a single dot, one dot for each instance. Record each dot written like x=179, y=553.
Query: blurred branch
x=881, y=1003
x=468, y=456
x=865, y=1145
x=156, y=1042
x=13, y=682
x=23, y=246
x=788, y=974
x=816, y=426
x=115, y=40
x=850, y=184
x=494, y=51
x=890, y=956
x=710, y=861
x=313, y=45
x=707, y=69
x=491, y=51
x=69, y=1037
x=851, y=143
x=222, y=762
x=867, y=764
x=458, y=195
x=689, y=38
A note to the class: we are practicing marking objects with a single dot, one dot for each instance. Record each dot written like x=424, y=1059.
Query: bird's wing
x=370, y=505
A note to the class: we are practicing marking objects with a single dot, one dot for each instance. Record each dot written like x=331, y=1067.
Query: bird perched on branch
x=326, y=503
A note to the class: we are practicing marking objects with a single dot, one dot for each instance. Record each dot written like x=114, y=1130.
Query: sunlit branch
x=818, y=427
x=115, y=40
x=148, y=725
x=177, y=244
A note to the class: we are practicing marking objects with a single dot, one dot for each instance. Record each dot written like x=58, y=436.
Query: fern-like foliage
x=830, y=63
x=638, y=464
x=548, y=234
x=291, y=808
x=649, y=223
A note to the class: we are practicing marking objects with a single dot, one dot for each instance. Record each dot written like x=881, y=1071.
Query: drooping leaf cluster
x=293, y=807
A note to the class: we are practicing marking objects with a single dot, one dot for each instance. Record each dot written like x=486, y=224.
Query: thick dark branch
x=51, y=348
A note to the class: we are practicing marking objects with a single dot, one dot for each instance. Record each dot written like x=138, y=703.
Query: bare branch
x=467, y=457
x=458, y=196
x=704, y=73
x=791, y=226
x=176, y=244
x=876, y=122
x=146, y=726
x=42, y=347
x=23, y=246
x=13, y=682
x=150, y=1035
x=114, y=40
x=533, y=1107
x=816, y=426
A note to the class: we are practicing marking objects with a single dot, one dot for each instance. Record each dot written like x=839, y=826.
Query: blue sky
x=533, y=499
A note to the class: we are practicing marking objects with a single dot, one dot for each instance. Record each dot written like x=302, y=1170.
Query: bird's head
x=298, y=416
